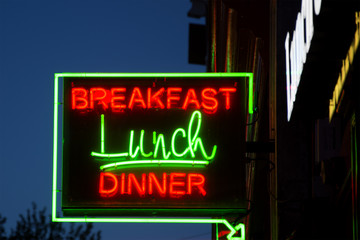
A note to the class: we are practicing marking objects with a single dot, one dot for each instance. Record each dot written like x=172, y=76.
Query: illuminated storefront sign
x=297, y=50
x=145, y=144
x=346, y=63
x=114, y=98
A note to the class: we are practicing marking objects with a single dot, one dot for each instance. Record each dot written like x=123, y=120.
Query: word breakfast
x=118, y=99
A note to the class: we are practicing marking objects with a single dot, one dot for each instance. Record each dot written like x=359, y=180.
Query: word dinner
x=173, y=185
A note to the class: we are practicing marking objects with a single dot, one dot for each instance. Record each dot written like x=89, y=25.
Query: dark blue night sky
x=40, y=38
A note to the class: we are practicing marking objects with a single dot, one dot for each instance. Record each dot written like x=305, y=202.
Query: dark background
x=225, y=175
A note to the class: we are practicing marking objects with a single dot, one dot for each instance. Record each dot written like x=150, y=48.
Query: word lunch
x=190, y=138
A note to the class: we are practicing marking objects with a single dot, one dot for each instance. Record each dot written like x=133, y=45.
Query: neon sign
x=116, y=99
x=176, y=185
x=297, y=50
x=164, y=144
x=145, y=144
x=346, y=63
x=189, y=137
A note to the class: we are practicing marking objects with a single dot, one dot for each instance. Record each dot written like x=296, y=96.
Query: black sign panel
x=144, y=145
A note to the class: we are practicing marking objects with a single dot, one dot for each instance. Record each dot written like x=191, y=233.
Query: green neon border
x=233, y=229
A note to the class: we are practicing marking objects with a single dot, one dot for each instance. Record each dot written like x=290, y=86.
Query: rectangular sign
x=154, y=144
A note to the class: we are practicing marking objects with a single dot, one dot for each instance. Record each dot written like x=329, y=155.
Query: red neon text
x=118, y=99
x=98, y=95
x=174, y=184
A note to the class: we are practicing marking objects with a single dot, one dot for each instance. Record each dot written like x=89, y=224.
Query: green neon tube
x=159, y=142
x=161, y=138
x=198, y=126
x=191, y=140
x=205, y=74
x=109, y=155
x=233, y=229
x=142, y=145
x=102, y=134
x=173, y=143
x=157, y=162
x=198, y=142
x=195, y=140
x=132, y=155
x=55, y=144
x=251, y=94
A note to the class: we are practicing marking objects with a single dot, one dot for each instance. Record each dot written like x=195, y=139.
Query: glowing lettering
x=136, y=99
x=174, y=186
x=155, y=99
x=102, y=134
x=317, y=5
x=98, y=95
x=191, y=99
x=296, y=52
x=118, y=99
x=131, y=153
x=133, y=181
x=196, y=180
x=209, y=102
x=79, y=98
x=173, y=94
x=191, y=137
x=122, y=190
x=160, y=139
x=346, y=63
x=177, y=183
x=173, y=145
x=111, y=180
x=226, y=92
x=142, y=145
x=153, y=180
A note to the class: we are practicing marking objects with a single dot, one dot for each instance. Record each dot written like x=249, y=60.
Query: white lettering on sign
x=297, y=50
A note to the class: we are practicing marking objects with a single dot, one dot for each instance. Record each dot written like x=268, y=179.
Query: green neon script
x=136, y=154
